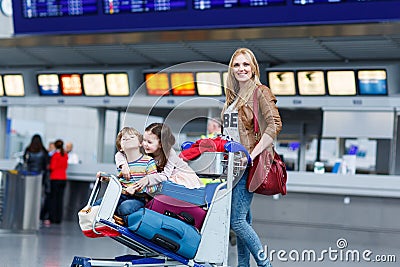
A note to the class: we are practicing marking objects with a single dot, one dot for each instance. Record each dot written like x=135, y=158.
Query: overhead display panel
x=209, y=83
x=49, y=84
x=157, y=84
x=13, y=85
x=182, y=84
x=282, y=82
x=111, y=7
x=94, y=84
x=89, y=16
x=117, y=84
x=58, y=8
x=71, y=84
x=311, y=82
x=372, y=82
x=341, y=82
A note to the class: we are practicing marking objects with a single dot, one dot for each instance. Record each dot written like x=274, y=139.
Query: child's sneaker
x=118, y=220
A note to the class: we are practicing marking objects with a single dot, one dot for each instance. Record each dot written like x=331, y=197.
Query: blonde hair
x=232, y=85
x=127, y=130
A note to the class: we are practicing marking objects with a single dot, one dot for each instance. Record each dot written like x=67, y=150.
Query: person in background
x=73, y=158
x=242, y=83
x=214, y=126
x=51, y=149
x=58, y=180
x=45, y=209
x=37, y=159
x=36, y=156
x=157, y=142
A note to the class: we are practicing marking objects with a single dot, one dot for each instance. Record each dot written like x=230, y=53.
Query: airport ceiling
x=272, y=46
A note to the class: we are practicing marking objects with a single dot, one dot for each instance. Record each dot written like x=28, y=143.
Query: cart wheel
x=81, y=262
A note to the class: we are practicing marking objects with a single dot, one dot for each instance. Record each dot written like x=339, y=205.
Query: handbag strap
x=255, y=112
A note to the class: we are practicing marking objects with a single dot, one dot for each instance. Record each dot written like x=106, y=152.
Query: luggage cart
x=213, y=247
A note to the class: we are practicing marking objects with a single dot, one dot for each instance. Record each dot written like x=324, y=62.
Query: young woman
x=157, y=143
x=238, y=122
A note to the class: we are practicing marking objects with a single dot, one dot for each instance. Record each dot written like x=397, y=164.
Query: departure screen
x=54, y=8
x=94, y=84
x=182, y=84
x=137, y=6
x=71, y=84
x=282, y=82
x=209, y=83
x=14, y=85
x=311, y=82
x=157, y=83
x=88, y=16
x=341, y=82
x=117, y=84
x=49, y=84
x=372, y=82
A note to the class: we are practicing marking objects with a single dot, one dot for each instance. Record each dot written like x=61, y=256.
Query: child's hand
x=125, y=172
x=102, y=176
x=130, y=190
x=139, y=185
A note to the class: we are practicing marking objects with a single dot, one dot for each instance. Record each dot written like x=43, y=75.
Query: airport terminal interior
x=81, y=70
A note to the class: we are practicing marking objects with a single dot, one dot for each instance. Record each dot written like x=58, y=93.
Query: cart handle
x=233, y=147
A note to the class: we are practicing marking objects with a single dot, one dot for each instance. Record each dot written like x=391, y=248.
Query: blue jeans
x=126, y=204
x=247, y=239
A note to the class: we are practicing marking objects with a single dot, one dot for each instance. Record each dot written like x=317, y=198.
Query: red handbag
x=267, y=175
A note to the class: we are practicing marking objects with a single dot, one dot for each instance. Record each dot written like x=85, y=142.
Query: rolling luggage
x=182, y=210
x=198, y=196
x=167, y=232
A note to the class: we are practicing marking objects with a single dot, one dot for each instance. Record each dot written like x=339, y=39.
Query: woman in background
x=36, y=156
x=58, y=181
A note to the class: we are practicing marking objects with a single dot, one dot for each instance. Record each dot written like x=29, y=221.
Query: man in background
x=213, y=128
x=72, y=156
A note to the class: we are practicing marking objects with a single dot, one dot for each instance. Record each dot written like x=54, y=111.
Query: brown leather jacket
x=268, y=116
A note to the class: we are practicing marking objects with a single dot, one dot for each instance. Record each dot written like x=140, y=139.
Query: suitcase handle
x=172, y=228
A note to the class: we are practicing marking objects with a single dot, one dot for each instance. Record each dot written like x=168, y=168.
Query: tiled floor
x=56, y=246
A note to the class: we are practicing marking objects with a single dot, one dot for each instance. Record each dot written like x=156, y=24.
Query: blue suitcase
x=167, y=232
x=198, y=196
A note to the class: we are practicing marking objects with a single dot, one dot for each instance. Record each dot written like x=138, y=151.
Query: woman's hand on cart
x=234, y=147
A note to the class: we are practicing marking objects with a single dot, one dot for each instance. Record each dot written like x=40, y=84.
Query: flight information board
x=89, y=16
x=54, y=8
x=137, y=6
